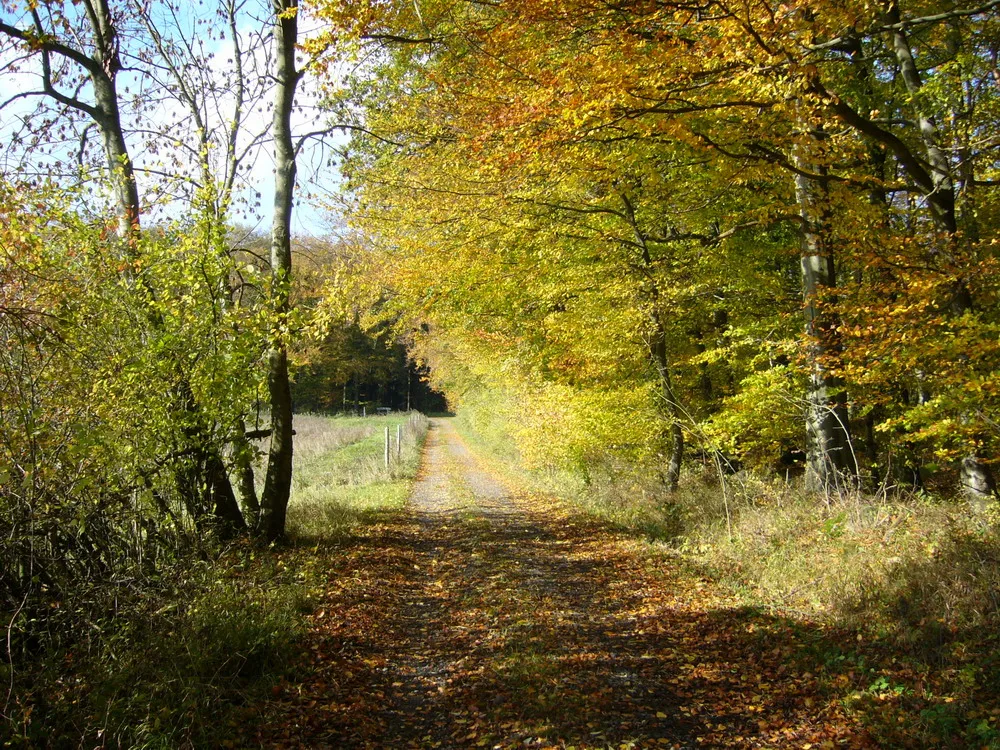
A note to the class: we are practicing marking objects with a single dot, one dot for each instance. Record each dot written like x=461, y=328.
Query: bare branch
x=40, y=41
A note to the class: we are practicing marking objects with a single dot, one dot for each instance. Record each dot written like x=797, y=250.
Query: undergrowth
x=172, y=667
x=913, y=581
x=180, y=657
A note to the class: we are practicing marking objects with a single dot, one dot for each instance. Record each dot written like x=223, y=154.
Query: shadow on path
x=484, y=620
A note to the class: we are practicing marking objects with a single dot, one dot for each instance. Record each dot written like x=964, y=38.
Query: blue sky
x=165, y=120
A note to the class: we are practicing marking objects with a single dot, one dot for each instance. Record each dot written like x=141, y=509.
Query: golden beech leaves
x=582, y=199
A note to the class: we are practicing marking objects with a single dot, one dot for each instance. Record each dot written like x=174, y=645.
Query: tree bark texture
x=246, y=489
x=976, y=479
x=278, y=481
x=829, y=457
x=658, y=351
x=228, y=517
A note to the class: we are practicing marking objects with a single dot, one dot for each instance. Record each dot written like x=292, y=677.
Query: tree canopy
x=708, y=223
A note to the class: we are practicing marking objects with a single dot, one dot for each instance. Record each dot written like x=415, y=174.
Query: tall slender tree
x=278, y=481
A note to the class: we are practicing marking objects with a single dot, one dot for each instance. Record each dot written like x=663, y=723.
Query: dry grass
x=911, y=581
x=316, y=435
x=905, y=563
x=917, y=580
x=340, y=477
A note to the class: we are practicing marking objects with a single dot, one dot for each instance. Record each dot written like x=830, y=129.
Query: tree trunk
x=278, y=481
x=977, y=480
x=246, y=487
x=829, y=459
x=658, y=354
x=208, y=472
x=975, y=477
x=228, y=518
x=941, y=198
x=120, y=166
x=873, y=479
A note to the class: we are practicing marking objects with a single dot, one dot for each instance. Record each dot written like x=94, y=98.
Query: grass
x=907, y=564
x=181, y=659
x=173, y=666
x=912, y=582
x=341, y=478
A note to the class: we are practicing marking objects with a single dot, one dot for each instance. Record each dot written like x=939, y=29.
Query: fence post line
x=387, y=446
x=399, y=441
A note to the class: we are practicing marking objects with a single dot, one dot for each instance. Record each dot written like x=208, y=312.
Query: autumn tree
x=563, y=139
x=79, y=49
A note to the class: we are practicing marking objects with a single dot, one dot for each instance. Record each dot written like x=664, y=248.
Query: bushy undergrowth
x=174, y=654
x=914, y=582
x=170, y=667
x=911, y=565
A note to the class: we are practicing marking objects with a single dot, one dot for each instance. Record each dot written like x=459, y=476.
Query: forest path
x=482, y=617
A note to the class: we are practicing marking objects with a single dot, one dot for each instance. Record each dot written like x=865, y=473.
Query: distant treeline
x=354, y=371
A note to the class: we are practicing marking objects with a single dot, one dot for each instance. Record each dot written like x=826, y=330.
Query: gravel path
x=452, y=482
x=482, y=618
x=497, y=603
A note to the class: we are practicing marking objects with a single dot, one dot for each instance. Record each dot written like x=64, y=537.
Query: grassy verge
x=169, y=662
x=910, y=583
x=181, y=659
x=340, y=483
x=914, y=581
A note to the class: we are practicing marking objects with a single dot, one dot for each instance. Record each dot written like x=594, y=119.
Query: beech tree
x=749, y=135
x=80, y=49
x=176, y=92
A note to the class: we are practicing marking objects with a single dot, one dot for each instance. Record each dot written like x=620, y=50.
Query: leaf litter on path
x=485, y=618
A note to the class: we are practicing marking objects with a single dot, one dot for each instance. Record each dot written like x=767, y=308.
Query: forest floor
x=481, y=616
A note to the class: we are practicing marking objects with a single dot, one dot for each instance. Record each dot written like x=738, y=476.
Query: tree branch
x=908, y=23
x=44, y=42
x=399, y=39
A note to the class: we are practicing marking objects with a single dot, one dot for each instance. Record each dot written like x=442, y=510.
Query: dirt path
x=486, y=619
